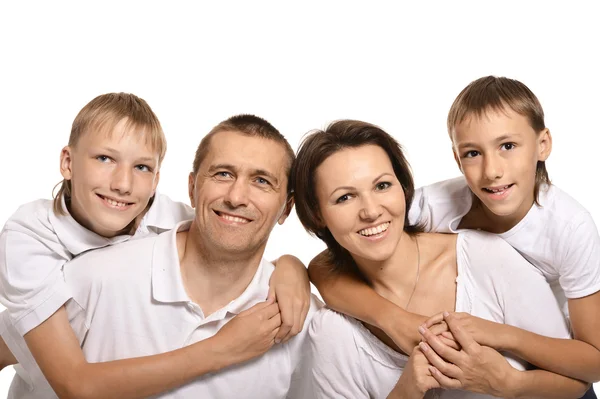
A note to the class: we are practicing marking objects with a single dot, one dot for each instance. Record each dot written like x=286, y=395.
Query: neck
x=212, y=278
x=482, y=218
x=395, y=277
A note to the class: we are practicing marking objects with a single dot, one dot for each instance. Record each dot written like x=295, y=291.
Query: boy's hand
x=416, y=379
x=290, y=287
x=249, y=334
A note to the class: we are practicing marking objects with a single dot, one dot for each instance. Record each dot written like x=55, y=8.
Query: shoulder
x=331, y=329
x=560, y=207
x=32, y=217
x=166, y=213
x=446, y=190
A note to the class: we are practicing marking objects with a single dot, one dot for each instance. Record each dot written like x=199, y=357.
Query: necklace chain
x=418, y=272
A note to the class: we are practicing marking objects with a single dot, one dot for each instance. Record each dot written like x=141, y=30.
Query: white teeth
x=374, y=230
x=115, y=203
x=498, y=190
x=233, y=218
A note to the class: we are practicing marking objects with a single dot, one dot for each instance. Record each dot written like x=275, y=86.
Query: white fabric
x=35, y=243
x=559, y=237
x=494, y=282
x=129, y=301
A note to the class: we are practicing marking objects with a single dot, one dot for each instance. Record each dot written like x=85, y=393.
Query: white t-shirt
x=35, y=244
x=559, y=237
x=494, y=282
x=129, y=301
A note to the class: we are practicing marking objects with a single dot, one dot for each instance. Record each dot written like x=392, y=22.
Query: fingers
x=450, y=342
x=271, y=295
x=286, y=326
x=293, y=316
x=274, y=323
x=258, y=307
x=444, y=381
x=448, y=353
x=435, y=319
x=435, y=360
x=439, y=328
x=463, y=338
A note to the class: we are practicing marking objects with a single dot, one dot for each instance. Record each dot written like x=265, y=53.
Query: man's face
x=240, y=192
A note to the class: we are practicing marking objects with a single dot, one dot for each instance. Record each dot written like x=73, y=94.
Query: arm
x=481, y=369
x=416, y=379
x=56, y=350
x=348, y=294
x=6, y=356
x=289, y=285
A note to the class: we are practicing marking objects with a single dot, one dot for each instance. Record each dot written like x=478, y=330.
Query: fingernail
x=277, y=340
x=446, y=314
x=432, y=370
x=423, y=346
x=421, y=329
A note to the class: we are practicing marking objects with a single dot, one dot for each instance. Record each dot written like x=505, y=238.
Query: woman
x=353, y=188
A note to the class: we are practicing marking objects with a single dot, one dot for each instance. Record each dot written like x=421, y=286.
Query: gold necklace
x=418, y=272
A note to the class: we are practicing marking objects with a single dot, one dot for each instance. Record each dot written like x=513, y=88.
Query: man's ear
x=66, y=163
x=544, y=142
x=289, y=204
x=192, y=188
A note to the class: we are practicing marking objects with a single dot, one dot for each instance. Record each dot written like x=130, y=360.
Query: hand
x=249, y=334
x=483, y=331
x=416, y=379
x=474, y=368
x=290, y=287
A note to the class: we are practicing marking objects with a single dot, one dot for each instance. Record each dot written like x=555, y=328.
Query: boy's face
x=113, y=176
x=498, y=154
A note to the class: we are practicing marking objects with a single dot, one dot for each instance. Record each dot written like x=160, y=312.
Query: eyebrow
x=349, y=188
x=253, y=172
x=113, y=151
x=500, y=139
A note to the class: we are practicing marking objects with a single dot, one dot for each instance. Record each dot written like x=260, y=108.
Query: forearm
x=569, y=357
x=138, y=377
x=541, y=384
x=405, y=389
x=347, y=294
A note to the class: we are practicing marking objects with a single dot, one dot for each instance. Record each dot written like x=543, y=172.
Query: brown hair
x=496, y=94
x=102, y=114
x=250, y=125
x=315, y=149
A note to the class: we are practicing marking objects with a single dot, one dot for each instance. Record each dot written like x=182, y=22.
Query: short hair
x=320, y=145
x=250, y=125
x=492, y=93
x=102, y=114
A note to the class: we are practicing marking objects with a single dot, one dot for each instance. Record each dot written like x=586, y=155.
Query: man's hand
x=290, y=287
x=474, y=368
x=416, y=378
x=249, y=334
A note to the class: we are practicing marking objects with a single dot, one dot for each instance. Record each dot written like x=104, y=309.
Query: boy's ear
x=66, y=163
x=192, y=188
x=289, y=204
x=544, y=142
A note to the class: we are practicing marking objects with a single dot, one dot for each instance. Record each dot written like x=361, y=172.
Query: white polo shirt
x=129, y=300
x=35, y=243
x=559, y=237
x=494, y=282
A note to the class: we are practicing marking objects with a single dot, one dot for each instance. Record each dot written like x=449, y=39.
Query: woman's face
x=361, y=201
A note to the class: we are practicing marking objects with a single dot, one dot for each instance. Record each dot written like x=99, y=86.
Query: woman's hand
x=290, y=287
x=483, y=331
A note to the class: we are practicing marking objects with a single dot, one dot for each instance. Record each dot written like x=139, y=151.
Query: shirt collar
x=164, y=213
x=167, y=282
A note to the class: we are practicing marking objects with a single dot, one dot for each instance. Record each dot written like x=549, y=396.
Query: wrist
x=401, y=326
x=506, y=336
x=216, y=355
x=512, y=384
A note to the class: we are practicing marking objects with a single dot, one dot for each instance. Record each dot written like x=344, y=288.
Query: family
x=483, y=286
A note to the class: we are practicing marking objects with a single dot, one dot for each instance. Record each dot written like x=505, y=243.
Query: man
x=158, y=294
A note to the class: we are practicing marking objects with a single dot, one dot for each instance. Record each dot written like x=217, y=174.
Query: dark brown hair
x=492, y=93
x=250, y=125
x=315, y=149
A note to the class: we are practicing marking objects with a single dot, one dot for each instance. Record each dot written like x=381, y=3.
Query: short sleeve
x=420, y=212
x=331, y=367
x=31, y=279
x=579, y=268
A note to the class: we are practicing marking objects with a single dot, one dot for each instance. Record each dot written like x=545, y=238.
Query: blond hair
x=102, y=114
x=492, y=93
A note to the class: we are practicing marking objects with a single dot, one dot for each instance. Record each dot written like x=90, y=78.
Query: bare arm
x=290, y=287
x=348, y=294
x=6, y=356
x=56, y=350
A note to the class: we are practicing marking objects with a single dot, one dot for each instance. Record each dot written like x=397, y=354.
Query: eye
x=508, y=146
x=103, y=158
x=383, y=185
x=223, y=175
x=471, y=154
x=262, y=181
x=343, y=198
x=143, y=168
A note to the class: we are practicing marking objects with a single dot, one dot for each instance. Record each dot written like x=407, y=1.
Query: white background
x=398, y=65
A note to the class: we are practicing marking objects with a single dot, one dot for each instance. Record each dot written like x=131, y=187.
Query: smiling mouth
x=497, y=190
x=232, y=218
x=371, y=231
x=114, y=203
